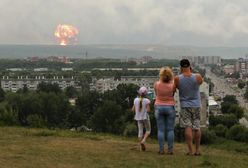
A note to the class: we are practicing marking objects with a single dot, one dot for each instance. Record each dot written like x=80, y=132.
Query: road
x=222, y=88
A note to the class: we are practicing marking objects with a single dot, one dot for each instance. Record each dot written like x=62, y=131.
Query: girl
x=141, y=106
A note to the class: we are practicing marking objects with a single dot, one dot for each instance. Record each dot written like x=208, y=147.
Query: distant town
x=106, y=74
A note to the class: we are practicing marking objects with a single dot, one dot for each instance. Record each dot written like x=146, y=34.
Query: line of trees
x=49, y=107
x=103, y=112
x=81, y=64
x=227, y=125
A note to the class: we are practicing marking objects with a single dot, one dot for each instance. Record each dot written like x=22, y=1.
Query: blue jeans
x=165, y=116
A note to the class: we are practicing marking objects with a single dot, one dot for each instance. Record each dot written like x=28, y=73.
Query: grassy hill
x=42, y=148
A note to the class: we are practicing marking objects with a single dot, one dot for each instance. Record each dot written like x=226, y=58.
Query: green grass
x=42, y=148
x=230, y=145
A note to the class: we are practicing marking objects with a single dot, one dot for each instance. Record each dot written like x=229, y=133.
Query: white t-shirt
x=142, y=114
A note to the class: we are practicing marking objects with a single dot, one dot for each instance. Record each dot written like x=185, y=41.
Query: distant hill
x=118, y=51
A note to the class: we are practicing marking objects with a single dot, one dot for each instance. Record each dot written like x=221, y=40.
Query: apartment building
x=241, y=66
x=63, y=59
x=14, y=84
x=228, y=69
x=105, y=84
x=206, y=60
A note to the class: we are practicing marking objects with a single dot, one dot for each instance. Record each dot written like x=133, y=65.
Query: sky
x=168, y=22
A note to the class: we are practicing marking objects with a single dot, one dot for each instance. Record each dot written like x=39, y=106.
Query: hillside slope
x=41, y=148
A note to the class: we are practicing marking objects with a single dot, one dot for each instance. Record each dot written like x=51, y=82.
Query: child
x=141, y=106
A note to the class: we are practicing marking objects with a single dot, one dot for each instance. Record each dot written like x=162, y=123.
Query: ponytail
x=140, y=103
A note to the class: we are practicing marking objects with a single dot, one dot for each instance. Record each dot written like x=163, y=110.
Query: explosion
x=66, y=34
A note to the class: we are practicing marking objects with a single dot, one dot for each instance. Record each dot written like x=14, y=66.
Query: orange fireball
x=66, y=34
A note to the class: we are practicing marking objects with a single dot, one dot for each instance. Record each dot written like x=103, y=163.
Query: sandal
x=189, y=154
x=169, y=153
x=161, y=152
x=143, y=147
x=197, y=154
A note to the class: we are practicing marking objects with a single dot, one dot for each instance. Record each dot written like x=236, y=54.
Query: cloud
x=191, y=22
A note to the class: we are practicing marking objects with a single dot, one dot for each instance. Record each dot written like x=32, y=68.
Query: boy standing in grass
x=141, y=106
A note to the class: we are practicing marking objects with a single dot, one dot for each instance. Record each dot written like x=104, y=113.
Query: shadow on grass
x=46, y=133
x=208, y=163
x=66, y=134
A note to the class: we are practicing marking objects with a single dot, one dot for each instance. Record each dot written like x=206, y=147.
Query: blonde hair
x=140, y=103
x=166, y=74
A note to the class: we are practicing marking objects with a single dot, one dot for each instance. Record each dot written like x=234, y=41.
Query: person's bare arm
x=148, y=108
x=199, y=79
x=154, y=86
x=176, y=82
x=133, y=109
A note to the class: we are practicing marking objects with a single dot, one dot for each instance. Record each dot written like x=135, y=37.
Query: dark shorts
x=190, y=117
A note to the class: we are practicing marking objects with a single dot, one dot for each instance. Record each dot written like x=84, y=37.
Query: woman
x=164, y=108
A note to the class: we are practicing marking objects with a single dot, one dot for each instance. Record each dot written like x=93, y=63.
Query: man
x=188, y=85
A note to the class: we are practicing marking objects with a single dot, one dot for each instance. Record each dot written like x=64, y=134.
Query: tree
x=87, y=104
x=230, y=99
x=207, y=136
x=126, y=94
x=227, y=120
x=48, y=87
x=238, y=132
x=236, y=110
x=241, y=84
x=39, y=109
x=71, y=92
x=2, y=94
x=35, y=120
x=24, y=105
x=54, y=109
x=85, y=80
x=225, y=107
x=7, y=116
x=75, y=117
x=220, y=130
x=246, y=93
x=108, y=118
x=30, y=105
x=14, y=100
